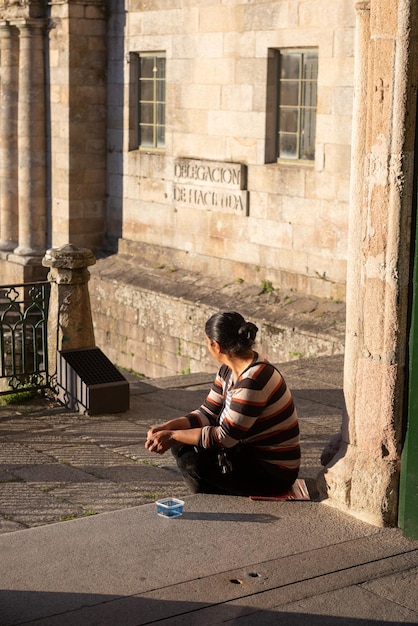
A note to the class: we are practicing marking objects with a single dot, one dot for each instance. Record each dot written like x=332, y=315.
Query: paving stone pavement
x=57, y=465
x=226, y=560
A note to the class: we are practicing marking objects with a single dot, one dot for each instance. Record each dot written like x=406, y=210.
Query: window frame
x=273, y=106
x=136, y=104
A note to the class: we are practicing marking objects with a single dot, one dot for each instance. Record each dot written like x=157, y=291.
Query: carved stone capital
x=18, y=9
x=68, y=257
x=363, y=5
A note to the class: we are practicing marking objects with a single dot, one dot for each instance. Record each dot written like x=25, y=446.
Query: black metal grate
x=93, y=367
x=89, y=383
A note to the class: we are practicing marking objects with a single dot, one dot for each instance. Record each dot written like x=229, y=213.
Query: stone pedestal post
x=70, y=324
x=9, y=52
x=31, y=139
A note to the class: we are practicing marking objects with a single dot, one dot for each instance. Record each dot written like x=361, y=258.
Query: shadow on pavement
x=65, y=609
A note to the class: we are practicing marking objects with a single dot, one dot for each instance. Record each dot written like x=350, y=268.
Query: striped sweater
x=257, y=411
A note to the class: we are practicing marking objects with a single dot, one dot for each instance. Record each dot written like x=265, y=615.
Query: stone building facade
x=151, y=130
x=216, y=199
x=100, y=191
x=53, y=59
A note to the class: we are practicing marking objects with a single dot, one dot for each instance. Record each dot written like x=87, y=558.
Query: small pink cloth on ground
x=298, y=491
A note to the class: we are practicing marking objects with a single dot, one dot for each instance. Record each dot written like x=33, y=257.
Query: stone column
x=79, y=51
x=363, y=477
x=9, y=205
x=31, y=139
x=354, y=294
x=70, y=324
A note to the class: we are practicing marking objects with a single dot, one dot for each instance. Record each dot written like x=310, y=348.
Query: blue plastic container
x=170, y=507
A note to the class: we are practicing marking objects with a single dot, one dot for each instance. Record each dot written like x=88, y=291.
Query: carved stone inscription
x=211, y=186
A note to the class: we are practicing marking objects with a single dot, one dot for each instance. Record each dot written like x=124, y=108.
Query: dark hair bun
x=231, y=331
x=247, y=333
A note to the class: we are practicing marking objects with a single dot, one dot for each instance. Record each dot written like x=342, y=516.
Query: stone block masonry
x=77, y=66
x=151, y=319
x=291, y=216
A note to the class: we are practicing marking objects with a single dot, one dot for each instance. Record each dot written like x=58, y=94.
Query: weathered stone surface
x=70, y=322
x=69, y=257
x=363, y=477
x=56, y=465
x=216, y=110
x=151, y=319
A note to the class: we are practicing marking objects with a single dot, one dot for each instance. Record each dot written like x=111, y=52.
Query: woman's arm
x=179, y=423
x=160, y=441
x=160, y=437
x=188, y=428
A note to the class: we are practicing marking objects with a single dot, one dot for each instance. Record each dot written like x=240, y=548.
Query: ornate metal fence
x=23, y=337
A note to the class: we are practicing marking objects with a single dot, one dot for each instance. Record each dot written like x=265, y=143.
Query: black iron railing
x=24, y=337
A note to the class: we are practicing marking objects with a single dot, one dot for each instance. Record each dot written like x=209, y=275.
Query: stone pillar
x=70, y=324
x=31, y=139
x=9, y=205
x=78, y=50
x=363, y=477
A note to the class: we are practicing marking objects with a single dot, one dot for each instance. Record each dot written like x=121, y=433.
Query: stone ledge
x=309, y=315
x=150, y=320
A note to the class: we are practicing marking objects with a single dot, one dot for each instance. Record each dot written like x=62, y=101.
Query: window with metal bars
x=291, y=104
x=148, y=101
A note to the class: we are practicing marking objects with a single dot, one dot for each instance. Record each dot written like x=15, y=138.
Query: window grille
x=148, y=84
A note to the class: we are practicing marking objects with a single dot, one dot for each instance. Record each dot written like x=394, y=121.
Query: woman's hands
x=162, y=437
x=158, y=440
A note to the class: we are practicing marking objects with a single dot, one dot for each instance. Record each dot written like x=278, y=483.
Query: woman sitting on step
x=244, y=439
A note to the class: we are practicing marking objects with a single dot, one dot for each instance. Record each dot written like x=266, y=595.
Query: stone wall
x=293, y=229
x=151, y=319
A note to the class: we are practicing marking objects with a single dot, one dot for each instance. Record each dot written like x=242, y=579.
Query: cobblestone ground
x=57, y=465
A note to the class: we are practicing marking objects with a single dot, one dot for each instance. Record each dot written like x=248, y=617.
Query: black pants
x=203, y=474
